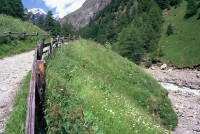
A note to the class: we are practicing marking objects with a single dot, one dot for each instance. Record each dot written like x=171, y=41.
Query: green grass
x=181, y=49
x=8, y=23
x=91, y=89
x=16, y=122
x=9, y=47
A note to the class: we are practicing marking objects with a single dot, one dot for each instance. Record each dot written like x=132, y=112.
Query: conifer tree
x=40, y=22
x=170, y=30
x=66, y=29
x=49, y=22
x=4, y=7
x=191, y=9
x=12, y=7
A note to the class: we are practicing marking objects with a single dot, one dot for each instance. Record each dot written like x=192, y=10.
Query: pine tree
x=66, y=29
x=191, y=9
x=13, y=8
x=40, y=22
x=163, y=4
x=49, y=23
x=5, y=7
x=170, y=30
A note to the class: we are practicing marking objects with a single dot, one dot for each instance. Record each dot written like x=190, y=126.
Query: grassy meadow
x=183, y=47
x=91, y=89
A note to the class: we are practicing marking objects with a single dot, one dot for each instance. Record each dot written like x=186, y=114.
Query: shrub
x=148, y=64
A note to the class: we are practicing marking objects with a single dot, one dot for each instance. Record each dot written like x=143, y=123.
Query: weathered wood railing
x=23, y=34
x=35, y=99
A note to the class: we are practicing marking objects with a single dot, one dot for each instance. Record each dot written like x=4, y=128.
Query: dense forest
x=131, y=26
x=13, y=8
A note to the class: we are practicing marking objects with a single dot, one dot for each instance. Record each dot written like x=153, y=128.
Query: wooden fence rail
x=35, y=99
x=23, y=34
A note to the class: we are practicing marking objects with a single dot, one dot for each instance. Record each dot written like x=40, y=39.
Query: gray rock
x=163, y=67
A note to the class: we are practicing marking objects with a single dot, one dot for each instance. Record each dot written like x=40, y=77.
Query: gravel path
x=186, y=105
x=12, y=71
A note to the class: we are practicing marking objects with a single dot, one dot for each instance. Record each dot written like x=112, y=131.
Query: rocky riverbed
x=12, y=71
x=185, y=104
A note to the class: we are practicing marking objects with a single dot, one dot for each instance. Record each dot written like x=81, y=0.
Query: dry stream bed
x=184, y=93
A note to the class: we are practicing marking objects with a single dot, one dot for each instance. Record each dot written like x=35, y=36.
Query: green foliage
x=170, y=30
x=49, y=23
x=191, y=9
x=164, y=4
x=125, y=96
x=175, y=2
x=12, y=8
x=198, y=16
x=66, y=29
x=40, y=22
x=17, y=119
x=148, y=64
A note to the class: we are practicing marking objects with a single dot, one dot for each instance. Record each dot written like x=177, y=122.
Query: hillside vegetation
x=15, y=45
x=131, y=26
x=181, y=48
x=94, y=90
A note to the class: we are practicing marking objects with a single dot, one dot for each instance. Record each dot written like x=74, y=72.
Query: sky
x=60, y=7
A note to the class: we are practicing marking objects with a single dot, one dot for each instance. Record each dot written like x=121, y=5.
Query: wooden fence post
x=40, y=48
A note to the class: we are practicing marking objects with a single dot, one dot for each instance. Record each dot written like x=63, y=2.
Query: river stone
x=163, y=67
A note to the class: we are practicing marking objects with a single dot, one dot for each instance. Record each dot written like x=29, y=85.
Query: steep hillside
x=14, y=46
x=183, y=47
x=131, y=26
x=82, y=16
x=97, y=91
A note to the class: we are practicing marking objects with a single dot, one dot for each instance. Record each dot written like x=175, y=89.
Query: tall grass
x=90, y=89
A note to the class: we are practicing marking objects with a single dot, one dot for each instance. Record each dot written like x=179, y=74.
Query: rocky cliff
x=82, y=16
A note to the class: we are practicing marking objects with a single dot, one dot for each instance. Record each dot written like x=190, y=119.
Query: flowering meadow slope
x=91, y=89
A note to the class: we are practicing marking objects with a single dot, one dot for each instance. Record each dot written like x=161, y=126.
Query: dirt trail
x=186, y=105
x=12, y=71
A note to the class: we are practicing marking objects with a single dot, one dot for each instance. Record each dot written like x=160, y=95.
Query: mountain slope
x=37, y=12
x=183, y=47
x=131, y=26
x=96, y=90
x=82, y=16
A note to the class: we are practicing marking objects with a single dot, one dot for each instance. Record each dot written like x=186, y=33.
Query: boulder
x=163, y=67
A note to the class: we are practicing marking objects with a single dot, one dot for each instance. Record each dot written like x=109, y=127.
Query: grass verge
x=91, y=89
x=16, y=122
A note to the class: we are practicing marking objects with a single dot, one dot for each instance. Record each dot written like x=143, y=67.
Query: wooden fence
x=35, y=100
x=23, y=34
